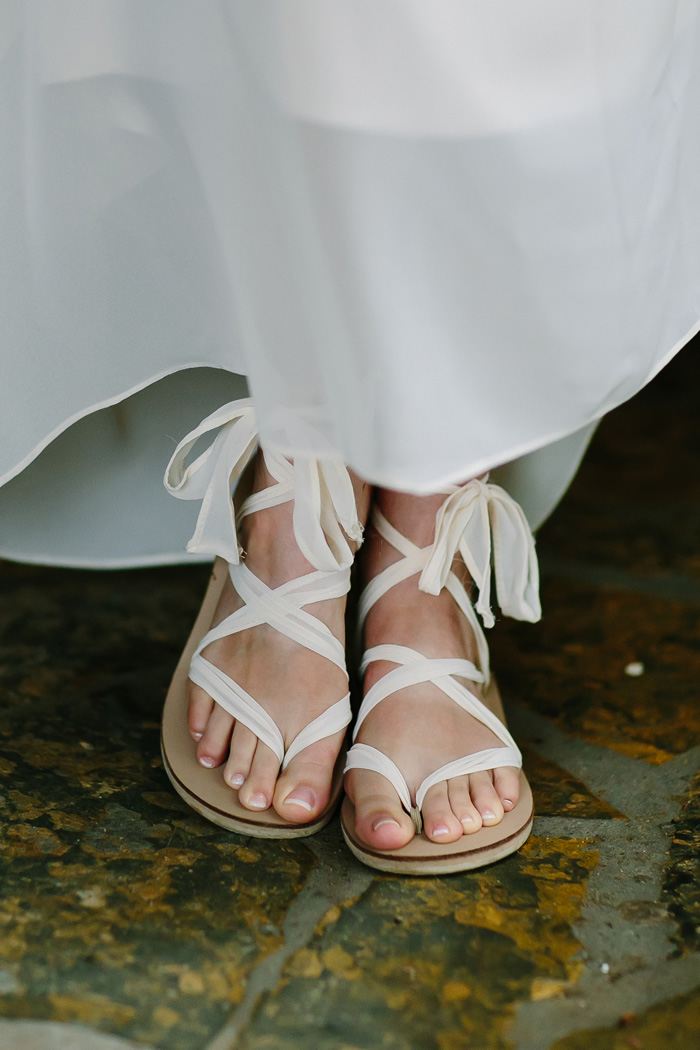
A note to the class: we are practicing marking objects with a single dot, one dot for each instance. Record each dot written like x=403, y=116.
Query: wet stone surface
x=558, y=794
x=570, y=668
x=120, y=907
x=125, y=913
x=671, y=1025
x=434, y=962
x=681, y=887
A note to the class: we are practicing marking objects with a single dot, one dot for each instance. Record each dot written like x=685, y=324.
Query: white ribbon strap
x=283, y=609
x=324, y=500
x=412, y=668
x=414, y=561
x=210, y=477
x=489, y=758
x=485, y=524
x=364, y=756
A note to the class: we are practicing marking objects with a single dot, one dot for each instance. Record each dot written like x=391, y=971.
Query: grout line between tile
x=335, y=878
x=624, y=929
x=633, y=786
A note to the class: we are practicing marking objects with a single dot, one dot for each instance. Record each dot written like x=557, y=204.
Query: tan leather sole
x=205, y=790
x=422, y=857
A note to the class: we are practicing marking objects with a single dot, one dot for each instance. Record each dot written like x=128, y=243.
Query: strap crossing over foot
x=324, y=513
x=484, y=524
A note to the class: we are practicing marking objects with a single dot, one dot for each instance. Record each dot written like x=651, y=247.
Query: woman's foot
x=292, y=683
x=420, y=728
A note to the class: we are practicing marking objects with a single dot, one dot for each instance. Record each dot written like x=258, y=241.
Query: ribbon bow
x=323, y=495
x=485, y=524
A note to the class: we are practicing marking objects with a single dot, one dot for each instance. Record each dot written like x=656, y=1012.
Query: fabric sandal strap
x=328, y=723
x=244, y=708
x=489, y=758
x=414, y=561
x=324, y=518
x=282, y=608
x=480, y=521
x=486, y=526
x=324, y=500
x=414, y=668
x=364, y=756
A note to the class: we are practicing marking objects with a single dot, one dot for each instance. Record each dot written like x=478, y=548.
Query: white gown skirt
x=435, y=238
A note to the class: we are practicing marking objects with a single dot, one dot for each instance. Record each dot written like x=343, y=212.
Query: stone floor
x=127, y=921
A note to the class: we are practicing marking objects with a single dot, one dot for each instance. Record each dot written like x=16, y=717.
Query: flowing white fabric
x=464, y=523
x=435, y=237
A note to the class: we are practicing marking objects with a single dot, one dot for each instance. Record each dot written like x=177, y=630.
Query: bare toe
x=485, y=798
x=303, y=790
x=199, y=708
x=462, y=806
x=240, y=759
x=506, y=781
x=381, y=820
x=439, y=822
x=213, y=747
x=259, y=787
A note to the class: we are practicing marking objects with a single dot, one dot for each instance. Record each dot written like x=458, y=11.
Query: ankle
x=267, y=538
x=414, y=516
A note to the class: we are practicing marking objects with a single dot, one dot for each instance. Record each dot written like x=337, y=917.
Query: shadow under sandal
x=324, y=501
x=484, y=524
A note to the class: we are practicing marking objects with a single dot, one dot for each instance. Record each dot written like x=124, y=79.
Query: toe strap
x=364, y=756
x=489, y=758
x=328, y=723
x=245, y=709
x=237, y=702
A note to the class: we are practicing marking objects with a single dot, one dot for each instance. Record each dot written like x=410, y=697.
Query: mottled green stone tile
x=672, y=1025
x=120, y=908
x=558, y=794
x=681, y=885
x=433, y=963
x=69, y=634
x=570, y=667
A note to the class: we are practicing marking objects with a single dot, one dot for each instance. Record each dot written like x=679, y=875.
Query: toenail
x=386, y=820
x=303, y=797
x=257, y=800
x=508, y=803
x=237, y=780
x=488, y=814
x=198, y=736
x=466, y=820
x=206, y=761
x=298, y=801
x=440, y=830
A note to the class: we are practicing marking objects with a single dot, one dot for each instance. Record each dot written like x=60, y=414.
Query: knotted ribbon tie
x=322, y=491
x=486, y=525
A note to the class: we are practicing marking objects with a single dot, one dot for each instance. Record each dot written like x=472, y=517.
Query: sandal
x=477, y=520
x=324, y=506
